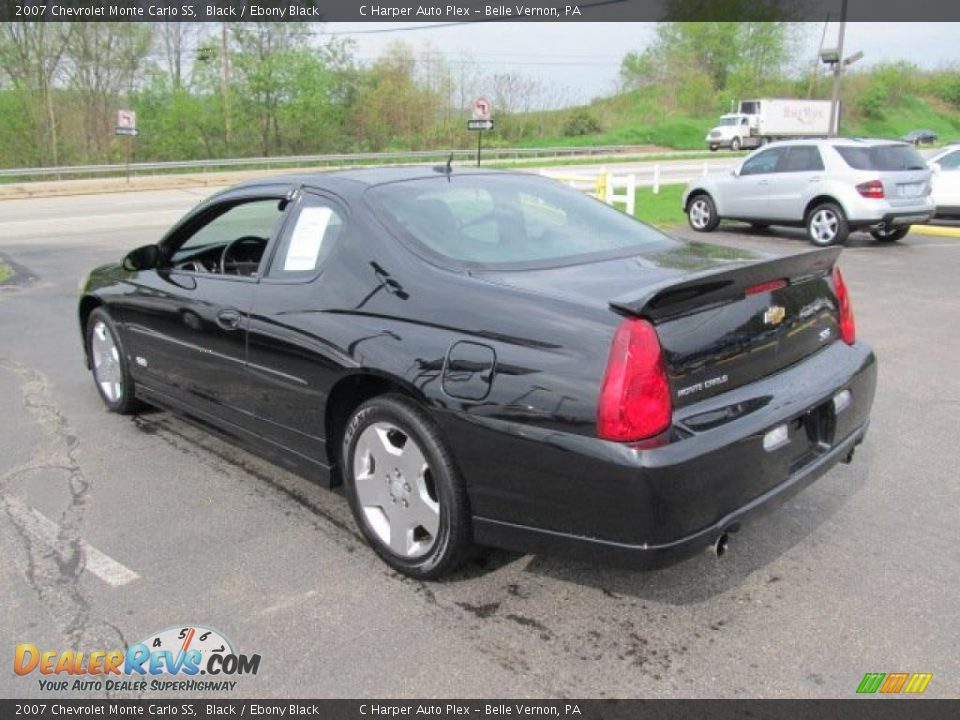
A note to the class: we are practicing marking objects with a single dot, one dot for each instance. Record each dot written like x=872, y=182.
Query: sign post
x=481, y=121
x=127, y=125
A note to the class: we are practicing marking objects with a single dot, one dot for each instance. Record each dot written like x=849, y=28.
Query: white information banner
x=307, y=238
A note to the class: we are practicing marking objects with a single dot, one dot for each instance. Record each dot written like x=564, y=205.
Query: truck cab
x=733, y=131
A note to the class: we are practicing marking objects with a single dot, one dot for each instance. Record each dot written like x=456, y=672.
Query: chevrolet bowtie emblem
x=774, y=315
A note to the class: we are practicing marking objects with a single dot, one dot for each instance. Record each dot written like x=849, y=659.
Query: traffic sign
x=481, y=109
x=479, y=124
x=126, y=119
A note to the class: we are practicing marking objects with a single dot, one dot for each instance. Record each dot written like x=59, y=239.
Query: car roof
x=833, y=142
x=366, y=176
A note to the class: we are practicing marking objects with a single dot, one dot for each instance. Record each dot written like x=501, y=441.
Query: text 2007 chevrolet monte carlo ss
x=488, y=358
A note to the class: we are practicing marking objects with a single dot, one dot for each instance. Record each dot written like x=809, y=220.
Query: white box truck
x=757, y=122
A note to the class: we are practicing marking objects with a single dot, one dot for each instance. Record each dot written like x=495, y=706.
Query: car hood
x=596, y=283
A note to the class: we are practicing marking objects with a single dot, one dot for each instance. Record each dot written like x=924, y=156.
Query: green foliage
x=946, y=86
x=581, y=122
x=701, y=61
x=873, y=101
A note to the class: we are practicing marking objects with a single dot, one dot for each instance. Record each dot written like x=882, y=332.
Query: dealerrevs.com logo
x=183, y=652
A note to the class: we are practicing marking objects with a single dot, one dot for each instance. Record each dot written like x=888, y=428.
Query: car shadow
x=758, y=544
x=760, y=541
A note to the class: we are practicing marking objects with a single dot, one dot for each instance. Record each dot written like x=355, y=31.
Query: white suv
x=828, y=186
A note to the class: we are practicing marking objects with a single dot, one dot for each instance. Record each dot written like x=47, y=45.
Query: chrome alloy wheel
x=699, y=213
x=395, y=490
x=824, y=225
x=106, y=362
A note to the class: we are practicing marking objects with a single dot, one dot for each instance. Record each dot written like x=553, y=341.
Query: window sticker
x=307, y=238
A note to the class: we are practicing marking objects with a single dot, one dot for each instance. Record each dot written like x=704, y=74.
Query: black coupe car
x=489, y=358
x=921, y=137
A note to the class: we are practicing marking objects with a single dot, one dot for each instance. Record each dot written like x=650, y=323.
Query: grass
x=911, y=113
x=663, y=209
x=5, y=271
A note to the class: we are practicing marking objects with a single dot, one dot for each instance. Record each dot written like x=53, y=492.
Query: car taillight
x=872, y=189
x=635, y=395
x=848, y=329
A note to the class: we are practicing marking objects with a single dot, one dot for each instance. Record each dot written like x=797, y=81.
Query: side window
x=950, y=162
x=761, y=163
x=253, y=221
x=307, y=240
x=801, y=158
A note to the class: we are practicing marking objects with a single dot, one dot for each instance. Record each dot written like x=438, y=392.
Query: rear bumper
x=542, y=491
x=898, y=219
x=882, y=213
x=653, y=555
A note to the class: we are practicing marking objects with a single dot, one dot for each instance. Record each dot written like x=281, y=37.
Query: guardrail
x=329, y=159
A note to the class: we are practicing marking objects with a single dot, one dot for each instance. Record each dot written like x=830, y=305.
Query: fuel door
x=468, y=371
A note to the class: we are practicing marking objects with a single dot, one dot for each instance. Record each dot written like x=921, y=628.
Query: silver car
x=830, y=186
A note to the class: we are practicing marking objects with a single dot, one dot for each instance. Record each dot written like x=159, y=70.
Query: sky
x=583, y=59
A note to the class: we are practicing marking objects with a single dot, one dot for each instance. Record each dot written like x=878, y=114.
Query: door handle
x=228, y=319
x=763, y=182
x=816, y=179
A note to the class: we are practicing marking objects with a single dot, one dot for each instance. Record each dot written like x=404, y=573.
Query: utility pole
x=837, y=74
x=816, y=60
x=225, y=83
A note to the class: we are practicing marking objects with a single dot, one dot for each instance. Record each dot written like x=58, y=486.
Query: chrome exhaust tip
x=720, y=545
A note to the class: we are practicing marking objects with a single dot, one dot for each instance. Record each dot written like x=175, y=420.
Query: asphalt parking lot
x=112, y=528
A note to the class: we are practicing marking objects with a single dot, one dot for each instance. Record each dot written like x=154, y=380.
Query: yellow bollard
x=601, y=191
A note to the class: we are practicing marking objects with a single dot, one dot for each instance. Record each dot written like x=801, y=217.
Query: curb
x=938, y=230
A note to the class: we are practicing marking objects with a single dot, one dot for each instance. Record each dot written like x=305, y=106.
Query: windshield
x=882, y=157
x=508, y=220
x=728, y=121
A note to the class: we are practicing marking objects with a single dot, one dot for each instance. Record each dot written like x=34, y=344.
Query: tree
x=31, y=55
x=176, y=38
x=698, y=60
x=263, y=70
x=102, y=61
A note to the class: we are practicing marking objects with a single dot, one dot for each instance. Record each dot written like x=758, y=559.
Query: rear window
x=881, y=157
x=508, y=221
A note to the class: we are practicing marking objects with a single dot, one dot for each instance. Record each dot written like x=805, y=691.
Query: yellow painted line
x=938, y=230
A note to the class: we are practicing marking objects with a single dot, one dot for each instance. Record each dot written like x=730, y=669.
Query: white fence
x=603, y=186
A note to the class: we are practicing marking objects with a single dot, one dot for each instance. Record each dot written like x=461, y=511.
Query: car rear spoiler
x=722, y=284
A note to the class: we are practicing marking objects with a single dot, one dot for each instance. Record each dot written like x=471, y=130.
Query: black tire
x=453, y=543
x=702, y=213
x=823, y=217
x=125, y=401
x=891, y=235
x=735, y=144
x=713, y=148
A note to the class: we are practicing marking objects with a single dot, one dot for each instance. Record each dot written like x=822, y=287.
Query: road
x=858, y=573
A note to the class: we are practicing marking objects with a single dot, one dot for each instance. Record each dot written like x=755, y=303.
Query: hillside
x=634, y=118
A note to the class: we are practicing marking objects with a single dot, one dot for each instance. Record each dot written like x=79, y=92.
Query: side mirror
x=935, y=167
x=736, y=171
x=146, y=257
